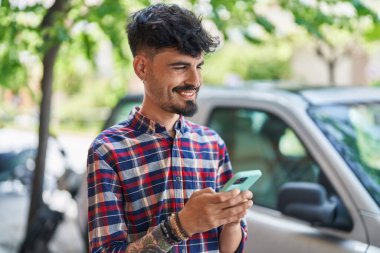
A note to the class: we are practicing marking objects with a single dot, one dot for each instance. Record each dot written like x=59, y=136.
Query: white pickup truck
x=319, y=152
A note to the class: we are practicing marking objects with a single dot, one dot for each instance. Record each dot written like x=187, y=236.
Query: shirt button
x=177, y=179
x=183, y=251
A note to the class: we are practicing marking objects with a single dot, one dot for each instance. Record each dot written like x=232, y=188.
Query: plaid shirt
x=138, y=175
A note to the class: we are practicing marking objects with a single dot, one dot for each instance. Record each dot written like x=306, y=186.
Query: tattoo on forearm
x=153, y=242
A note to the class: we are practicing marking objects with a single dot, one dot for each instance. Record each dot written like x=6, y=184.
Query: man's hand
x=207, y=209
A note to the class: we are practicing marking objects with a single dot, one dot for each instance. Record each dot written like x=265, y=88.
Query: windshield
x=354, y=130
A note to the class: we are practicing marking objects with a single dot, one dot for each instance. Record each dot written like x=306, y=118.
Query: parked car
x=17, y=154
x=61, y=183
x=319, y=153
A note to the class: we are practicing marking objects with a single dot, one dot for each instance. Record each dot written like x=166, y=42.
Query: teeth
x=187, y=93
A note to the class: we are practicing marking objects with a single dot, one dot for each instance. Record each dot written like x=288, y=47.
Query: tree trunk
x=331, y=72
x=43, y=134
x=45, y=105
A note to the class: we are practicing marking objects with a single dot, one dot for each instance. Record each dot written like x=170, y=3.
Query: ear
x=140, y=64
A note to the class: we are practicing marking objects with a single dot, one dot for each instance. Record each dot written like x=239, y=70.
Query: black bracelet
x=165, y=232
x=170, y=231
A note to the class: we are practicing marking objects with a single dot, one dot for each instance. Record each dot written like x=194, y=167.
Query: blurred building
x=355, y=67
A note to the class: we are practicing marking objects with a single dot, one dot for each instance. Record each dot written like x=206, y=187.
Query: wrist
x=232, y=226
x=177, y=227
x=182, y=220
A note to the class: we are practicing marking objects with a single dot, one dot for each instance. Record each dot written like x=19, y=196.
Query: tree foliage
x=85, y=23
x=258, y=62
x=311, y=15
x=326, y=21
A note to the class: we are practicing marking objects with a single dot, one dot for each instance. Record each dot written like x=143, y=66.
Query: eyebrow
x=181, y=63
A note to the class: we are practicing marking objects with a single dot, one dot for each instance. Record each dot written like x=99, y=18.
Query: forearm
x=230, y=237
x=154, y=241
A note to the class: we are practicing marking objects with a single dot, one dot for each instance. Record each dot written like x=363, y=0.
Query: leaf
x=16, y=72
x=363, y=10
x=251, y=38
x=265, y=23
x=89, y=46
x=373, y=34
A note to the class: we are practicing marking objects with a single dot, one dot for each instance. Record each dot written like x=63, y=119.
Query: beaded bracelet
x=170, y=233
x=183, y=231
x=175, y=226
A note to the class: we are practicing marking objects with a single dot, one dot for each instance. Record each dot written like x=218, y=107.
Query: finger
x=234, y=219
x=202, y=191
x=247, y=194
x=240, y=198
x=221, y=197
x=235, y=210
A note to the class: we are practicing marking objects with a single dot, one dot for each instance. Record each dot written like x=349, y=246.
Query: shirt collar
x=143, y=124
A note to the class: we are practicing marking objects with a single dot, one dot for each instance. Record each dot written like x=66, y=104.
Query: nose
x=194, y=78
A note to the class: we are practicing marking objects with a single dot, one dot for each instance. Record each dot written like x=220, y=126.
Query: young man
x=154, y=179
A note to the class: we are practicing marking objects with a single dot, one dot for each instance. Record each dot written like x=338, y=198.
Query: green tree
x=269, y=61
x=324, y=26
x=326, y=21
x=33, y=28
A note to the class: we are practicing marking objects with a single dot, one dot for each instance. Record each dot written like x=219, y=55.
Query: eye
x=180, y=67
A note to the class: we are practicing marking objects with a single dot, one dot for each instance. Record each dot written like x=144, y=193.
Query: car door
x=260, y=139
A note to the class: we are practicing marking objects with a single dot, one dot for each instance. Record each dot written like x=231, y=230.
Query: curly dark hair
x=169, y=26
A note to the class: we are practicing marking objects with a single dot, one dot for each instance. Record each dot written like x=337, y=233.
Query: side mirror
x=308, y=202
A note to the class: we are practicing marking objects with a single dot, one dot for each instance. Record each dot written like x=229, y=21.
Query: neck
x=155, y=113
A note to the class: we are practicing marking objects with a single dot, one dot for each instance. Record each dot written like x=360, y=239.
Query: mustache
x=186, y=87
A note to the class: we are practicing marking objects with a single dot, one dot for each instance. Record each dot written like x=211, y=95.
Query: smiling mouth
x=187, y=91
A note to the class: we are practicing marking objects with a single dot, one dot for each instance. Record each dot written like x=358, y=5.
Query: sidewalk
x=12, y=221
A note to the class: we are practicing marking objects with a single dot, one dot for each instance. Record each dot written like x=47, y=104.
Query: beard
x=190, y=107
x=169, y=102
x=188, y=110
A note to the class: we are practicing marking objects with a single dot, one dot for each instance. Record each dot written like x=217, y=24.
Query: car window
x=260, y=140
x=354, y=131
x=121, y=111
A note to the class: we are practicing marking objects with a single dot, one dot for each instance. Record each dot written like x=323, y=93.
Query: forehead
x=173, y=55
